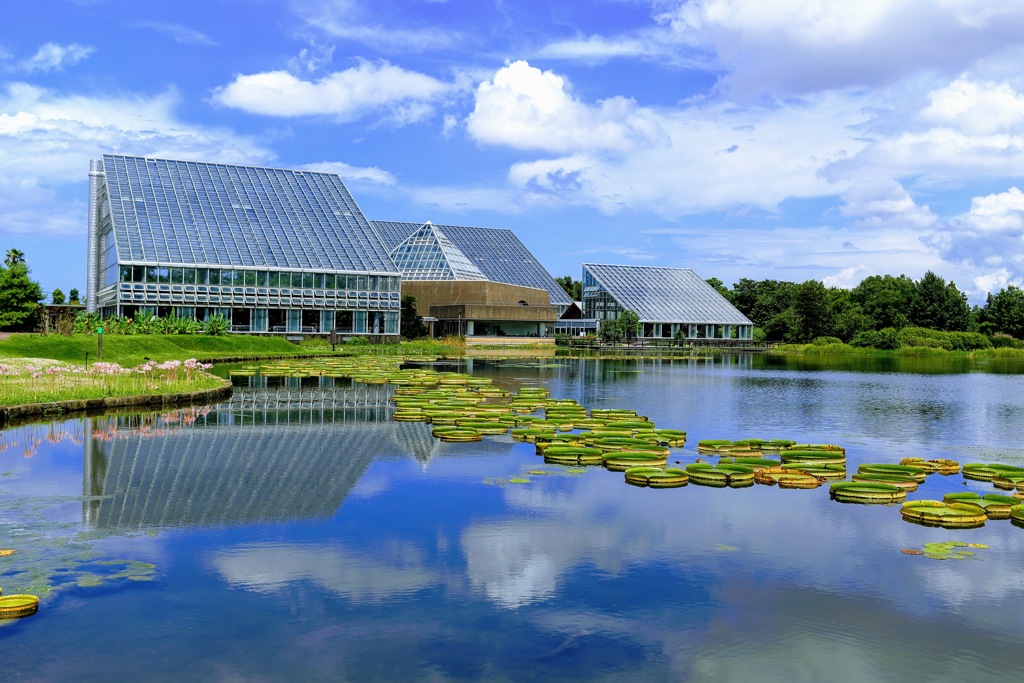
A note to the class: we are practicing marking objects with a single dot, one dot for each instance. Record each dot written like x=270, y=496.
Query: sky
x=784, y=139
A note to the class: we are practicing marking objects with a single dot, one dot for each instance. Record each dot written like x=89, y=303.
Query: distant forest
x=879, y=312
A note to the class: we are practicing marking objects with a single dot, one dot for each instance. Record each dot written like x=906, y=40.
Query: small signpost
x=334, y=339
x=99, y=343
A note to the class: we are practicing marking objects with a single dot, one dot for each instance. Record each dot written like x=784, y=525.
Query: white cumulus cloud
x=980, y=108
x=343, y=95
x=526, y=108
x=989, y=238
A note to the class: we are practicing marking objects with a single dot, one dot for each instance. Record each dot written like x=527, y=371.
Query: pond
x=297, y=532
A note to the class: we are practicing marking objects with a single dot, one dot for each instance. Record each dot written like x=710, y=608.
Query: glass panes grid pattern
x=429, y=255
x=675, y=295
x=497, y=252
x=183, y=212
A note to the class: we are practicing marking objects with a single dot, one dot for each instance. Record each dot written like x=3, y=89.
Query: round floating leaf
x=17, y=606
x=869, y=492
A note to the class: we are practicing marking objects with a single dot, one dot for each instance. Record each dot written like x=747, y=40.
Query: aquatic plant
x=915, y=473
x=723, y=474
x=866, y=492
x=947, y=515
x=996, y=506
x=948, y=550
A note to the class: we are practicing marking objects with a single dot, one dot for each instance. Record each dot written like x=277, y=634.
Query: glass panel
x=177, y=276
x=329, y=281
x=294, y=320
x=190, y=276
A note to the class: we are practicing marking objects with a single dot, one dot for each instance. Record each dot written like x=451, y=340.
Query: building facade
x=477, y=282
x=672, y=303
x=271, y=250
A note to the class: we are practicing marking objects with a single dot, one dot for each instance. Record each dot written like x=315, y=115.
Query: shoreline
x=26, y=413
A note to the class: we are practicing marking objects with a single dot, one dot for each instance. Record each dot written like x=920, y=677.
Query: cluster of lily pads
x=946, y=550
x=463, y=408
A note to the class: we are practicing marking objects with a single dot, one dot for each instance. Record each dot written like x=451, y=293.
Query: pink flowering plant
x=45, y=381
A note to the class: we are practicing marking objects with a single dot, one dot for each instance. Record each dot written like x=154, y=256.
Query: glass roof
x=428, y=254
x=185, y=212
x=657, y=294
x=496, y=252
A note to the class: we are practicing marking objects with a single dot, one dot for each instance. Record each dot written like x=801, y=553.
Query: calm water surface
x=296, y=533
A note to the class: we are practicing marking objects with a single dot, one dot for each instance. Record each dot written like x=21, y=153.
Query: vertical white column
x=92, y=271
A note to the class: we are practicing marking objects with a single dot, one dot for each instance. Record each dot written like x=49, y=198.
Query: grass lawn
x=132, y=350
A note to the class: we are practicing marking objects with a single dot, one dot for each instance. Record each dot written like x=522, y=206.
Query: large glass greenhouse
x=271, y=250
x=670, y=302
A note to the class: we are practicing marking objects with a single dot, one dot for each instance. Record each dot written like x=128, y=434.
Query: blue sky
x=786, y=139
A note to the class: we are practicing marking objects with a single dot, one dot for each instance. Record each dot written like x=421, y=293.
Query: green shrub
x=949, y=341
x=358, y=341
x=1005, y=341
x=886, y=338
x=825, y=341
x=216, y=325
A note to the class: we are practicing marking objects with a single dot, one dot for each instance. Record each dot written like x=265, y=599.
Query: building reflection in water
x=270, y=453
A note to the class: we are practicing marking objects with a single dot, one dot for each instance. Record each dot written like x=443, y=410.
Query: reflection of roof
x=496, y=252
x=185, y=212
x=664, y=294
x=268, y=454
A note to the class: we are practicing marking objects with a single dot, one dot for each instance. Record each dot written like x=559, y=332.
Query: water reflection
x=334, y=544
x=268, y=454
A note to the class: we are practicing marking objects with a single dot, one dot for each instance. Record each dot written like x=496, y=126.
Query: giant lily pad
x=868, y=492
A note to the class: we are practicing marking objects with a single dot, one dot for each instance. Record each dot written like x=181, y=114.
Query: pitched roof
x=428, y=254
x=186, y=212
x=659, y=294
x=496, y=252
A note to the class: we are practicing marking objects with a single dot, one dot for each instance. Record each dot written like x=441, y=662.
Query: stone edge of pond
x=25, y=413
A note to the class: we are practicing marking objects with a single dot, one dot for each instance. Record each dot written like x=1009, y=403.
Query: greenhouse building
x=476, y=282
x=670, y=302
x=271, y=250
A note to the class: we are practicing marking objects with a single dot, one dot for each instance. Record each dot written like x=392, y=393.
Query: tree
x=57, y=297
x=939, y=306
x=574, y=288
x=812, y=307
x=412, y=321
x=629, y=324
x=886, y=299
x=19, y=298
x=1006, y=311
x=73, y=297
x=762, y=300
x=610, y=332
x=720, y=288
x=14, y=256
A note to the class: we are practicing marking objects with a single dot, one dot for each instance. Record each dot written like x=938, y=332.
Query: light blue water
x=299, y=534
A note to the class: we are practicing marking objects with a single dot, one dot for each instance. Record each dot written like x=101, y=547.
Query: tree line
x=870, y=313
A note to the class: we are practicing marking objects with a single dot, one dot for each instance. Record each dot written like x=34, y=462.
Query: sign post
x=99, y=343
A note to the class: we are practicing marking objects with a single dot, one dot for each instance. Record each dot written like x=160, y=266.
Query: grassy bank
x=132, y=350
x=37, y=380
x=836, y=350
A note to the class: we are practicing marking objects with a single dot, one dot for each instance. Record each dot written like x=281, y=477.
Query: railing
x=642, y=346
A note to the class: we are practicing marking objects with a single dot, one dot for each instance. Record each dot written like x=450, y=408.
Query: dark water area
x=297, y=533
